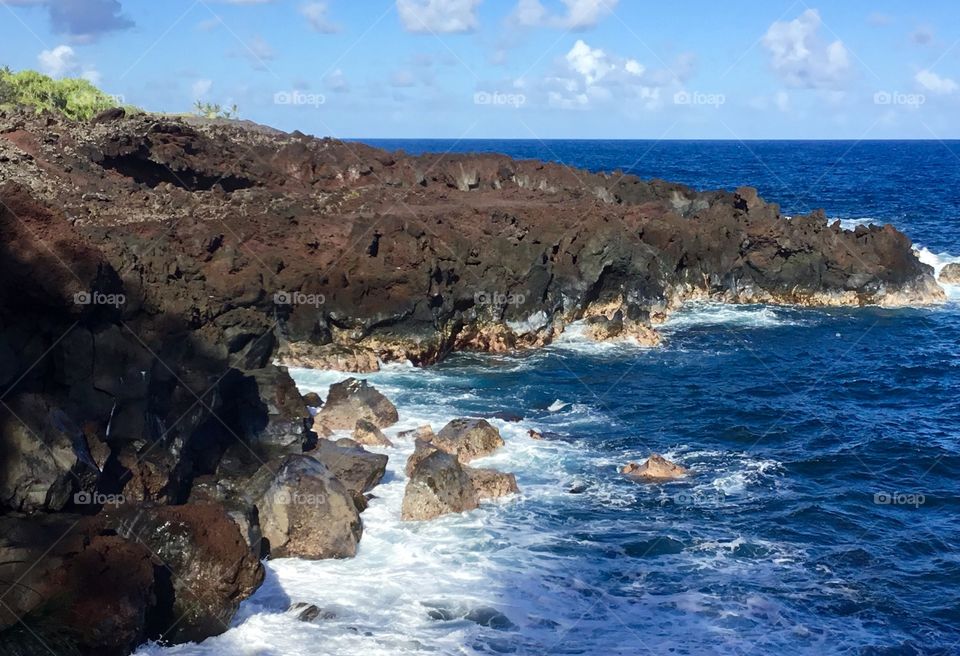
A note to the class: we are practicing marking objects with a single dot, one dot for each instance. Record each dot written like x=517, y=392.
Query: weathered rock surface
x=439, y=485
x=304, y=511
x=468, y=439
x=356, y=468
x=352, y=400
x=656, y=468
x=950, y=274
x=366, y=432
x=152, y=267
x=492, y=484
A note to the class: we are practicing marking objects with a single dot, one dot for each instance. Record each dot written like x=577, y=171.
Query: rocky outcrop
x=440, y=484
x=656, y=468
x=153, y=270
x=468, y=439
x=950, y=274
x=304, y=511
x=352, y=400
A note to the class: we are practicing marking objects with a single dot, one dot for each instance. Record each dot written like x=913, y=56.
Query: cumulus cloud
x=934, y=83
x=590, y=76
x=58, y=61
x=578, y=14
x=438, y=16
x=62, y=61
x=801, y=58
x=316, y=15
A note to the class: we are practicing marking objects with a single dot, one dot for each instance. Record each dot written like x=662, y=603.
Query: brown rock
x=329, y=357
x=656, y=468
x=421, y=450
x=950, y=274
x=468, y=439
x=356, y=468
x=366, y=432
x=424, y=433
x=439, y=485
x=305, y=512
x=354, y=399
x=535, y=434
x=491, y=484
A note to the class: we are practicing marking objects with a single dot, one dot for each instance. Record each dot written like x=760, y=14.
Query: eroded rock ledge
x=154, y=270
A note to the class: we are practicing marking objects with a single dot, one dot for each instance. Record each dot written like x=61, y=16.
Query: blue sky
x=752, y=69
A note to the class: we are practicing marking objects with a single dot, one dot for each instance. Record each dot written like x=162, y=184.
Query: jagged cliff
x=155, y=269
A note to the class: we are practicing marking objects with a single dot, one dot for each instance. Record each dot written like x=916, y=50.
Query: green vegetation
x=75, y=98
x=213, y=110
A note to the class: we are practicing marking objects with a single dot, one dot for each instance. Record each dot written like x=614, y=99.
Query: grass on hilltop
x=75, y=98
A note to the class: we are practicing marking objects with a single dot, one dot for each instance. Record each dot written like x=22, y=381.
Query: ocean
x=822, y=514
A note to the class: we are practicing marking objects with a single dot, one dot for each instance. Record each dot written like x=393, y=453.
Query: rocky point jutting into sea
x=157, y=270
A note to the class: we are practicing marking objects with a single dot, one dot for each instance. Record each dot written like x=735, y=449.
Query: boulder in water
x=656, y=468
x=354, y=399
x=366, y=432
x=439, y=485
x=950, y=274
x=305, y=512
x=468, y=439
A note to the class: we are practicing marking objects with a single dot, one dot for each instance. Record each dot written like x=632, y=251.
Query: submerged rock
x=656, y=468
x=352, y=400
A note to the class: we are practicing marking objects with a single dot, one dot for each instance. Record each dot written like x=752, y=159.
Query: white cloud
x=591, y=76
x=201, y=88
x=316, y=15
x=92, y=76
x=591, y=63
x=438, y=16
x=801, y=58
x=58, y=61
x=936, y=84
x=579, y=14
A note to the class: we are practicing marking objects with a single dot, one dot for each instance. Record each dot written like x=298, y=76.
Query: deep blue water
x=822, y=514
x=821, y=415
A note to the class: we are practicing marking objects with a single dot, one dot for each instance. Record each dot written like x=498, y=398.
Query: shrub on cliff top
x=75, y=98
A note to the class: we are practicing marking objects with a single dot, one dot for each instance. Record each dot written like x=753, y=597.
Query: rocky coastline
x=160, y=274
